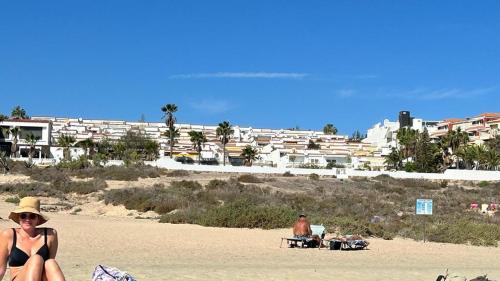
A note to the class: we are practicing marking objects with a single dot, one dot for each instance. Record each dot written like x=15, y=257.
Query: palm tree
x=492, y=158
x=407, y=138
x=172, y=136
x=66, y=141
x=482, y=154
x=395, y=159
x=329, y=129
x=494, y=143
x=224, y=132
x=15, y=135
x=3, y=117
x=119, y=149
x=31, y=140
x=250, y=154
x=169, y=110
x=88, y=145
x=18, y=113
x=198, y=139
x=151, y=148
x=459, y=138
x=454, y=140
x=469, y=156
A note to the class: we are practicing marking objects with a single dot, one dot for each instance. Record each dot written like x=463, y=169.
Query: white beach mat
x=106, y=273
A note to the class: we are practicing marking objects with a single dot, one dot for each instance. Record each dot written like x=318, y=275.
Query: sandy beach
x=153, y=251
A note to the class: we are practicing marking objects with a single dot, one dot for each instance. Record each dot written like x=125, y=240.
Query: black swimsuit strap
x=14, y=240
x=45, y=231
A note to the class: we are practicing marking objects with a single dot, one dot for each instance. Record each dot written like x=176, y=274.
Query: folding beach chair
x=304, y=242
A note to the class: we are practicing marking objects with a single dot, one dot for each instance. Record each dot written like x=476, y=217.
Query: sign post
x=423, y=207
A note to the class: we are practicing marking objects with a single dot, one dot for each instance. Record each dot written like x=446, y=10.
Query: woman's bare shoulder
x=51, y=231
x=6, y=233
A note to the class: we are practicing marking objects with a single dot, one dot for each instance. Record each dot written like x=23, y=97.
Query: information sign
x=424, y=207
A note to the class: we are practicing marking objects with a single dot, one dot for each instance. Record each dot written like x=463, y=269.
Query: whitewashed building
x=384, y=135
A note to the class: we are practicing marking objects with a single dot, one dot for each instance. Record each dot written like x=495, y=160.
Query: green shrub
x=463, y=231
x=178, y=173
x=14, y=200
x=249, y=179
x=120, y=173
x=243, y=213
x=309, y=166
x=18, y=167
x=50, y=174
x=410, y=167
x=77, y=164
x=76, y=211
x=332, y=165
x=190, y=215
x=215, y=184
x=443, y=184
x=160, y=200
x=314, y=177
x=80, y=187
x=28, y=189
x=483, y=183
x=184, y=184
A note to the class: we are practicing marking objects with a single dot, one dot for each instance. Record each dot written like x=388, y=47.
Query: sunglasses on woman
x=31, y=216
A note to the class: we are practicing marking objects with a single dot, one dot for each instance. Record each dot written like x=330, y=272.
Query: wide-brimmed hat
x=28, y=205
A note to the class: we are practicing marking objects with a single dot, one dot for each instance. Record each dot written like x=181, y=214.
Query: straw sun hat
x=28, y=205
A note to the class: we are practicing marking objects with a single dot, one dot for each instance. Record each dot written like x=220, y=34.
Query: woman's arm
x=54, y=243
x=5, y=238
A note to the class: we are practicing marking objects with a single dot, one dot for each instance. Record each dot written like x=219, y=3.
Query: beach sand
x=153, y=251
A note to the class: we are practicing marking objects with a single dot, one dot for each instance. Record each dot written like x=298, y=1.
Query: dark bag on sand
x=312, y=244
x=106, y=273
x=335, y=245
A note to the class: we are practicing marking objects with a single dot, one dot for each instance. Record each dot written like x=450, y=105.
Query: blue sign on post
x=424, y=207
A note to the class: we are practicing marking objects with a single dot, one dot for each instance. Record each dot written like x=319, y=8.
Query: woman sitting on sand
x=30, y=251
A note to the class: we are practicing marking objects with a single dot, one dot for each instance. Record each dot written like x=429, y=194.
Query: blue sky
x=276, y=64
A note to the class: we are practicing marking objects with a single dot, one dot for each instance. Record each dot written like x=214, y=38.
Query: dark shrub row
x=57, y=187
x=382, y=207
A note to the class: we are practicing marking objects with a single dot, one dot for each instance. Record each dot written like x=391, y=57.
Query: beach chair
x=303, y=242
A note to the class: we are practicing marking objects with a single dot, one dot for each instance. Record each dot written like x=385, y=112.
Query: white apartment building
x=39, y=128
x=277, y=148
x=384, y=135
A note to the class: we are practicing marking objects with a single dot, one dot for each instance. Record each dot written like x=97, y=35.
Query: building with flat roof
x=384, y=135
x=39, y=128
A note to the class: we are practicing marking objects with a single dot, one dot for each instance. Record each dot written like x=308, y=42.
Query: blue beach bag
x=106, y=273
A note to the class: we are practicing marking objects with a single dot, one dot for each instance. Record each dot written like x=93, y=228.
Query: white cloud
x=440, y=94
x=211, y=106
x=265, y=75
x=420, y=93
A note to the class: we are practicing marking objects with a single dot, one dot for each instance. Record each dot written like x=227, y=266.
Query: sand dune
x=154, y=251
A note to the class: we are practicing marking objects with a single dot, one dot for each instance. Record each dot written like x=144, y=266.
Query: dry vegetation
x=382, y=207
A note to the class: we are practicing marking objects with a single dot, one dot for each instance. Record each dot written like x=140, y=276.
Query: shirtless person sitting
x=302, y=229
